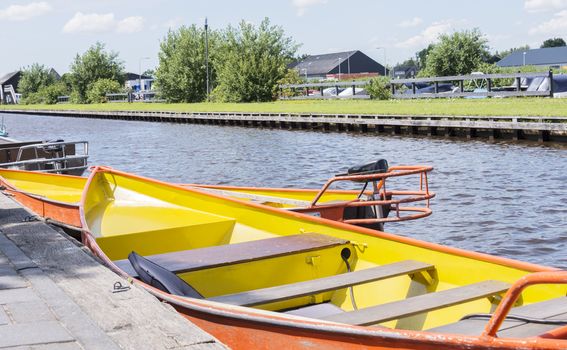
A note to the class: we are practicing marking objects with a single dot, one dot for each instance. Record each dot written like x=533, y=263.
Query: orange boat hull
x=60, y=213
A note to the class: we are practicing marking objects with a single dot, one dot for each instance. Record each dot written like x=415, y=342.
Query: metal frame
x=60, y=163
x=379, y=189
x=517, y=87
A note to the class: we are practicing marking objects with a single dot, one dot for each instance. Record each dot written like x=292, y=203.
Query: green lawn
x=488, y=107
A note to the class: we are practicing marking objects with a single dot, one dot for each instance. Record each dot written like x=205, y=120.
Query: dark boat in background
x=58, y=157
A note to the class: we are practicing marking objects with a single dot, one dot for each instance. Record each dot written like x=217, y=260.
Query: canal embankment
x=515, y=127
x=55, y=295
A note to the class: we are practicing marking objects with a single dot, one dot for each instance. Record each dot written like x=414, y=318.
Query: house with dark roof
x=546, y=57
x=9, y=86
x=349, y=64
x=137, y=82
x=405, y=72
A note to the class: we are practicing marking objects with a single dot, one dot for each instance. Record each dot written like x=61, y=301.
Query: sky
x=52, y=32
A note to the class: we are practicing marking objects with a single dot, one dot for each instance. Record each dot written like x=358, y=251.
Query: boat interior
x=56, y=187
x=188, y=242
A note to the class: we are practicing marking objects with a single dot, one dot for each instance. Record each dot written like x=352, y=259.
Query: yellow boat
x=260, y=277
x=56, y=197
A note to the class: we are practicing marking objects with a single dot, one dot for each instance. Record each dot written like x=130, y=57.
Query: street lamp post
x=140, y=70
x=383, y=48
x=340, y=58
x=525, y=57
x=207, y=55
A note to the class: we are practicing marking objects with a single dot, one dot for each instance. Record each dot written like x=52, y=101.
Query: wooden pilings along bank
x=492, y=127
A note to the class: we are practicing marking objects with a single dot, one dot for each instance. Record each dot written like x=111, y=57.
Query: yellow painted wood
x=66, y=189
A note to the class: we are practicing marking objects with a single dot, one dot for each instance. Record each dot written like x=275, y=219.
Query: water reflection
x=502, y=198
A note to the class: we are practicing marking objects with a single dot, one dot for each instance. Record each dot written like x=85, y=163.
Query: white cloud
x=557, y=25
x=302, y=5
x=99, y=23
x=428, y=35
x=414, y=22
x=24, y=12
x=90, y=23
x=544, y=5
x=132, y=24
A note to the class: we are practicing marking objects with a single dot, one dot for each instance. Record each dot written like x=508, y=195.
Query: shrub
x=50, y=93
x=97, y=91
x=379, y=88
x=291, y=77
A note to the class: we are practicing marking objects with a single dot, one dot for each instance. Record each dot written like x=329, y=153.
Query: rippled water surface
x=500, y=198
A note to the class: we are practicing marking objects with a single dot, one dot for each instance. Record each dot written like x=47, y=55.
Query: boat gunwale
x=403, y=171
x=11, y=187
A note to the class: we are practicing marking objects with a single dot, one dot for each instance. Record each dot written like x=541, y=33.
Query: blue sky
x=52, y=32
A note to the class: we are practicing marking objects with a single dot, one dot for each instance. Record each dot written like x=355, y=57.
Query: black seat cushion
x=380, y=166
x=161, y=278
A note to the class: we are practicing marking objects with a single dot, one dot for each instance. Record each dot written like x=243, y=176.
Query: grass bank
x=487, y=107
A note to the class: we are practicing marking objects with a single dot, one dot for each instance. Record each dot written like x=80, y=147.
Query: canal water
x=507, y=199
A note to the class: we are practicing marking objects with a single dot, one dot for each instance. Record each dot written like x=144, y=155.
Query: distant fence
x=433, y=89
x=322, y=90
x=62, y=99
x=436, y=87
x=145, y=96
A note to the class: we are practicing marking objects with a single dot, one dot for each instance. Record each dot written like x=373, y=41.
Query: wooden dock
x=540, y=129
x=55, y=295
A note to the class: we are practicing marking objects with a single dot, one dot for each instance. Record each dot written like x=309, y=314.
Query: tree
x=457, y=54
x=553, y=42
x=410, y=62
x=93, y=65
x=34, y=78
x=250, y=62
x=150, y=73
x=97, y=91
x=49, y=94
x=421, y=56
x=291, y=77
x=379, y=88
x=181, y=74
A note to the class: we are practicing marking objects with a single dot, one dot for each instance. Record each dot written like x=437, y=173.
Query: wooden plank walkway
x=493, y=127
x=53, y=295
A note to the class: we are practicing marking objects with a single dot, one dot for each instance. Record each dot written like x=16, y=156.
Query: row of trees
x=245, y=64
x=92, y=75
x=465, y=52
x=460, y=53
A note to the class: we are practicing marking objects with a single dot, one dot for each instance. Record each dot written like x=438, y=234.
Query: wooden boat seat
x=320, y=285
x=420, y=304
x=229, y=254
x=554, y=309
